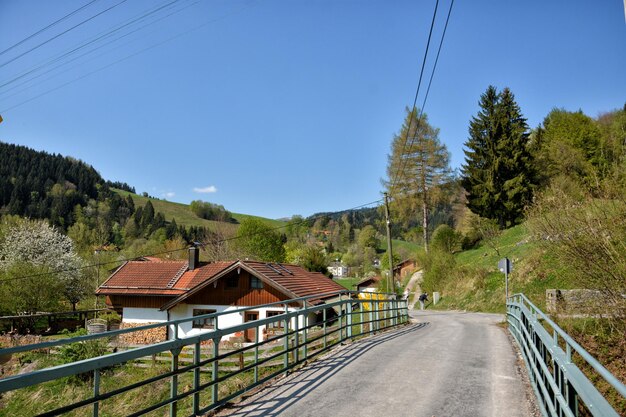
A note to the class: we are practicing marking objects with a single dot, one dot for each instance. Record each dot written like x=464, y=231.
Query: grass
x=184, y=216
x=348, y=283
x=399, y=245
x=43, y=397
x=473, y=281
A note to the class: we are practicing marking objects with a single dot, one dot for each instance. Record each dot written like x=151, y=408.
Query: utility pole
x=97, y=253
x=391, y=281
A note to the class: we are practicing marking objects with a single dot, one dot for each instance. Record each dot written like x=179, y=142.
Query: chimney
x=194, y=258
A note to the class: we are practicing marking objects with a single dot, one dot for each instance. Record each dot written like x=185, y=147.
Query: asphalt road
x=445, y=364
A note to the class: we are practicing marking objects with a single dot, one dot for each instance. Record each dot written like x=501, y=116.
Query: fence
x=205, y=371
x=561, y=387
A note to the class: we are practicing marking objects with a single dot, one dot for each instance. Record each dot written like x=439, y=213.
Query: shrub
x=438, y=268
x=445, y=239
x=586, y=237
x=210, y=211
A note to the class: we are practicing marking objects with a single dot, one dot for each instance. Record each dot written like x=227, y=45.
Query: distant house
x=338, y=270
x=368, y=284
x=404, y=268
x=152, y=291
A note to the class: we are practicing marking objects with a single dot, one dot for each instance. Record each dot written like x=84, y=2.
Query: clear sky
x=277, y=108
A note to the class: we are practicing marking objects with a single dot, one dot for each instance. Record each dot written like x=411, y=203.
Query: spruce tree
x=147, y=217
x=498, y=173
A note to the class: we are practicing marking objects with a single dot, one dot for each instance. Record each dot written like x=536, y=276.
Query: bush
x=82, y=350
x=586, y=237
x=210, y=211
x=438, y=268
x=445, y=239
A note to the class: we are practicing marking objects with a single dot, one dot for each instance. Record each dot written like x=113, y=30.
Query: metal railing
x=205, y=370
x=561, y=387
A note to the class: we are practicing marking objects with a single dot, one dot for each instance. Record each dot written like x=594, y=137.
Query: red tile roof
x=172, y=278
x=158, y=277
x=296, y=279
x=143, y=274
x=205, y=271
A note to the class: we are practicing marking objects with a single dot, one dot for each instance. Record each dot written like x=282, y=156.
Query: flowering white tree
x=47, y=259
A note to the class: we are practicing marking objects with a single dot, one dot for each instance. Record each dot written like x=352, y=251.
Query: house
x=338, y=269
x=151, y=291
x=404, y=268
x=368, y=284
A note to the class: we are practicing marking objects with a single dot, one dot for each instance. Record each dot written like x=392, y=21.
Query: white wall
x=143, y=315
x=182, y=311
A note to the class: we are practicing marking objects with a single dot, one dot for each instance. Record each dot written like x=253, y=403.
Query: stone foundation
x=579, y=301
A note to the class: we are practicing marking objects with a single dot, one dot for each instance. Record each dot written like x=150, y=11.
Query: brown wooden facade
x=221, y=293
x=117, y=302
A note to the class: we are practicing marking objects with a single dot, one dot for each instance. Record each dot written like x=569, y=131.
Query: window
x=255, y=282
x=232, y=282
x=205, y=323
x=275, y=324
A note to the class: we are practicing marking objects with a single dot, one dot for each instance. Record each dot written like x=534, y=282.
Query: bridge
x=442, y=364
x=359, y=354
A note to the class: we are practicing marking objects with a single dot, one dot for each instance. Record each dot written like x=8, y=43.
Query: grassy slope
x=184, y=216
x=409, y=247
x=480, y=286
x=533, y=272
x=348, y=283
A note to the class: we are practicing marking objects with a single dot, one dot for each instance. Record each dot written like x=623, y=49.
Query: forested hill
x=42, y=185
x=73, y=196
x=357, y=218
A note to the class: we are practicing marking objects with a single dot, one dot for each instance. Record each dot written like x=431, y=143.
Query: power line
x=83, y=55
x=419, y=83
x=99, y=37
x=432, y=74
x=116, y=261
x=124, y=59
x=61, y=34
x=443, y=35
x=47, y=27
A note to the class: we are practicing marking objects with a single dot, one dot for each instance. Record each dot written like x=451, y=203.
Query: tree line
x=507, y=165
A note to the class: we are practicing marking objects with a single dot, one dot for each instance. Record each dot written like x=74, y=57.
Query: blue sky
x=278, y=108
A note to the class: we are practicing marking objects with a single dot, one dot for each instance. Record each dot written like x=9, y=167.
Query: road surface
x=444, y=364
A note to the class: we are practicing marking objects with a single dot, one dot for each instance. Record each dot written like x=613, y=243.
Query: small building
x=338, y=270
x=153, y=291
x=404, y=268
x=369, y=284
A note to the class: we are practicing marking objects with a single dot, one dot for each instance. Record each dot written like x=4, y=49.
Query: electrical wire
x=432, y=74
x=117, y=261
x=181, y=34
x=88, y=53
x=60, y=34
x=47, y=27
x=3, y=93
x=101, y=36
x=419, y=83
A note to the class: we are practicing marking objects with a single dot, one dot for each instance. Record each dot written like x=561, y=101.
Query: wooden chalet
x=152, y=291
x=369, y=284
x=404, y=268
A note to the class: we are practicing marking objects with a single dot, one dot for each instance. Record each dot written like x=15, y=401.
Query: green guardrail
x=304, y=334
x=562, y=389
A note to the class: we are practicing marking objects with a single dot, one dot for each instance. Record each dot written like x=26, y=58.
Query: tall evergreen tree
x=147, y=217
x=418, y=168
x=498, y=174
